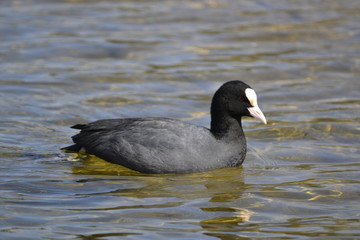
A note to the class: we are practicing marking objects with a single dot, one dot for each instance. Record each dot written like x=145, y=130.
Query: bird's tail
x=72, y=148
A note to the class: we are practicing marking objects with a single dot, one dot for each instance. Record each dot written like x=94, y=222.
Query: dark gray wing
x=146, y=144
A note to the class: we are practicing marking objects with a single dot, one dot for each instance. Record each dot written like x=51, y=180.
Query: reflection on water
x=73, y=61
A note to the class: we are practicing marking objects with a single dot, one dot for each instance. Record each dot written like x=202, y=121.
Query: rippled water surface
x=75, y=61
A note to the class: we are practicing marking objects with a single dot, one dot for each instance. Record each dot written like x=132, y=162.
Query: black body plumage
x=163, y=145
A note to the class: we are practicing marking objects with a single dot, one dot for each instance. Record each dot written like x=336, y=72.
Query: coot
x=163, y=145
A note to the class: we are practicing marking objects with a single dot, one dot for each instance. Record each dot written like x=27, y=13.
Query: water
x=67, y=62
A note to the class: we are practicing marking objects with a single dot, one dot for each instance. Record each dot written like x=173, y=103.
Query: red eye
x=241, y=99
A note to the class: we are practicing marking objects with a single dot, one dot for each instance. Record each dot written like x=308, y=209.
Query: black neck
x=224, y=126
